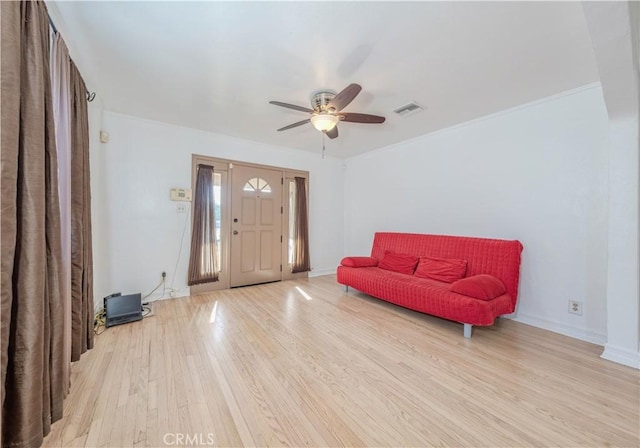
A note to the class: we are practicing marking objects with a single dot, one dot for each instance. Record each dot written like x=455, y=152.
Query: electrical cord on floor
x=146, y=311
x=100, y=321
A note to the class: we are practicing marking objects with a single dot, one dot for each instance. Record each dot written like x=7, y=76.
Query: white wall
x=140, y=227
x=96, y=166
x=537, y=173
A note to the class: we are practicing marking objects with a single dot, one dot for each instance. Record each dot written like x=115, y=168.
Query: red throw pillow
x=359, y=262
x=441, y=269
x=483, y=287
x=401, y=263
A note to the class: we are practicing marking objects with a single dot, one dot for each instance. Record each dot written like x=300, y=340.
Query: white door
x=256, y=224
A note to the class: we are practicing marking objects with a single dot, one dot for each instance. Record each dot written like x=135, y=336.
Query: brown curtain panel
x=202, y=260
x=81, y=248
x=32, y=314
x=301, y=261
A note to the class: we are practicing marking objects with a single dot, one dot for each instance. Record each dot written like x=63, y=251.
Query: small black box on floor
x=121, y=309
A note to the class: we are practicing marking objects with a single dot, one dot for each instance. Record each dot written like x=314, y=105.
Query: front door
x=256, y=223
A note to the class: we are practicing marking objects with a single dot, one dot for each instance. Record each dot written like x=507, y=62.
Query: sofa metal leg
x=346, y=288
x=467, y=330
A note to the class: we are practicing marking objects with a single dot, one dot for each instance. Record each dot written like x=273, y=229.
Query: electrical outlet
x=181, y=207
x=575, y=307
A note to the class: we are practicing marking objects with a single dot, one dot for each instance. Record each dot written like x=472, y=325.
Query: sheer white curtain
x=61, y=95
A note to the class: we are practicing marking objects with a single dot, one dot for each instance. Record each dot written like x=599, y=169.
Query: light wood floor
x=300, y=363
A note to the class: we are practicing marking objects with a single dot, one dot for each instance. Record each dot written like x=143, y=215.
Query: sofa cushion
x=401, y=263
x=482, y=286
x=442, y=269
x=359, y=262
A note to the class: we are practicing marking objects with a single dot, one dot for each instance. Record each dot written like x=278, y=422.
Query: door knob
x=235, y=232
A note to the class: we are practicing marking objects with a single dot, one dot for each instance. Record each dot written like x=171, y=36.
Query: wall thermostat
x=181, y=194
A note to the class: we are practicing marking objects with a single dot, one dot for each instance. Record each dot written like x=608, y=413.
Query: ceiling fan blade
x=295, y=125
x=361, y=118
x=342, y=99
x=291, y=106
x=333, y=133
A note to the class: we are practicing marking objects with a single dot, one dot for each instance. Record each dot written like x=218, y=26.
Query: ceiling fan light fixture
x=327, y=110
x=324, y=122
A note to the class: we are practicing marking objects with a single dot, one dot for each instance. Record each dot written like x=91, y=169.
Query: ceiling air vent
x=408, y=109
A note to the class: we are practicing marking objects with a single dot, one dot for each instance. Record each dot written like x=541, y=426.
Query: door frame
x=225, y=166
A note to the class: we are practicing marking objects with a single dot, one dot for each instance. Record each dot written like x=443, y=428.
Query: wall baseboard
x=558, y=327
x=621, y=356
x=321, y=272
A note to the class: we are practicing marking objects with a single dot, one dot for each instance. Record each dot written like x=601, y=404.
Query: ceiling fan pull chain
x=323, y=134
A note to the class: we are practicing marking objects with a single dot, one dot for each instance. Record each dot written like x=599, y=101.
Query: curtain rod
x=53, y=25
x=90, y=95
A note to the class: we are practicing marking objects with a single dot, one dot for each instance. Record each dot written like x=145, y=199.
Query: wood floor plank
x=301, y=363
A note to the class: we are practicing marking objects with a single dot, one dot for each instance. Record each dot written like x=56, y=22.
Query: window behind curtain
x=217, y=198
x=292, y=221
x=204, y=259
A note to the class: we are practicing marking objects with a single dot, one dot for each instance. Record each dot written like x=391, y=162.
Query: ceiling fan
x=326, y=111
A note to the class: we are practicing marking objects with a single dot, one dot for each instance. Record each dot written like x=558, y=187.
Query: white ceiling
x=215, y=66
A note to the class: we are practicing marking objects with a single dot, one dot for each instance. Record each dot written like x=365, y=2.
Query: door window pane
x=257, y=184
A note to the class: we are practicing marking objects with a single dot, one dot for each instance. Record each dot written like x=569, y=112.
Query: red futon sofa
x=468, y=280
